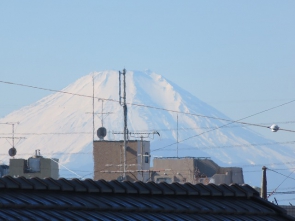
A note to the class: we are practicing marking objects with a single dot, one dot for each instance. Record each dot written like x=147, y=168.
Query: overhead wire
x=286, y=177
x=158, y=108
x=236, y=121
x=145, y=131
x=143, y=105
x=282, y=174
x=205, y=147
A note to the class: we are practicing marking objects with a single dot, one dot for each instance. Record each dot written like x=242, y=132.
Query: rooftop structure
x=108, y=160
x=50, y=199
x=194, y=170
x=35, y=166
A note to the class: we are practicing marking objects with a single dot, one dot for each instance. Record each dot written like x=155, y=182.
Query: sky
x=237, y=56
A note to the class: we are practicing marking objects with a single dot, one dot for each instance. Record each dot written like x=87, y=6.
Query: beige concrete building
x=35, y=166
x=194, y=170
x=109, y=159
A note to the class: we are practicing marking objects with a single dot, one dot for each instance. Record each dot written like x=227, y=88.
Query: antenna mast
x=12, y=151
x=125, y=116
x=93, y=109
x=177, y=137
x=102, y=113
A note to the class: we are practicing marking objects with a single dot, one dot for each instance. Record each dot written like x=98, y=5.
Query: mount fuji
x=61, y=125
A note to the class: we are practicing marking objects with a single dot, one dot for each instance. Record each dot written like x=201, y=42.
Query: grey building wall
x=46, y=168
x=194, y=170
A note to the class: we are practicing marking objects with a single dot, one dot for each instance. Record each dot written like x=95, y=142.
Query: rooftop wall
x=108, y=159
x=194, y=170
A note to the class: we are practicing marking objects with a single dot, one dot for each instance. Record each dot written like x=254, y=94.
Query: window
x=146, y=157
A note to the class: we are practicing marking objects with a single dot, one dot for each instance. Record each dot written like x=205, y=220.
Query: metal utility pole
x=177, y=136
x=12, y=135
x=93, y=129
x=124, y=115
x=263, y=193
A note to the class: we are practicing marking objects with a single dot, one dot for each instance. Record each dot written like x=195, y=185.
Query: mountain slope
x=60, y=125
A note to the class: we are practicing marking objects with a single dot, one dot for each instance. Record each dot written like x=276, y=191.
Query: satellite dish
x=12, y=152
x=101, y=133
x=274, y=128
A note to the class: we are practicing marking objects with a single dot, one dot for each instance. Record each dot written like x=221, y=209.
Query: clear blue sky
x=238, y=56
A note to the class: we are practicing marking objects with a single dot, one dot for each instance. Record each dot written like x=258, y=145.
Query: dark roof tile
x=65, y=185
x=236, y=191
x=101, y=200
x=24, y=183
x=250, y=190
x=179, y=189
x=116, y=186
x=10, y=182
x=78, y=185
x=52, y=184
x=38, y=183
x=226, y=190
x=129, y=187
x=154, y=189
x=190, y=189
x=240, y=191
x=104, y=186
x=141, y=188
x=2, y=184
x=91, y=186
x=166, y=188
x=201, y=189
x=215, y=190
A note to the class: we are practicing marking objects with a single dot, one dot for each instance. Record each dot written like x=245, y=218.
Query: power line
x=287, y=177
x=231, y=126
x=205, y=147
x=260, y=165
x=141, y=105
x=147, y=131
x=148, y=106
x=237, y=145
x=237, y=121
x=282, y=174
x=53, y=133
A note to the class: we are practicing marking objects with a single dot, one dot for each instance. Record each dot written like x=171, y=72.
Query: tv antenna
x=101, y=132
x=12, y=151
x=102, y=113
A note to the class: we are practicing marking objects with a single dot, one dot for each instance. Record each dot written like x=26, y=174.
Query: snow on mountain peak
x=60, y=125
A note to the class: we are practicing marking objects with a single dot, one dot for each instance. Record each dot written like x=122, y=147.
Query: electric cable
x=280, y=184
x=282, y=174
x=236, y=121
x=147, y=106
x=141, y=105
x=205, y=147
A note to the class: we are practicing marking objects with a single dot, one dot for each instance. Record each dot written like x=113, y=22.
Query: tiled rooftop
x=62, y=199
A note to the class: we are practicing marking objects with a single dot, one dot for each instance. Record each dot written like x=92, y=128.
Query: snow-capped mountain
x=60, y=125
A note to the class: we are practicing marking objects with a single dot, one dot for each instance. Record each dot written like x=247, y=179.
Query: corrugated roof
x=49, y=199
